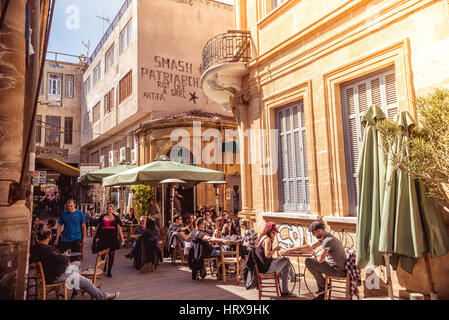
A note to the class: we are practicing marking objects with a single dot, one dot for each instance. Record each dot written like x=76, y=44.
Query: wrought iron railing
x=233, y=46
x=114, y=23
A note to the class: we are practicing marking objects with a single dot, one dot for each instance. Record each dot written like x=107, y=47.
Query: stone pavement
x=169, y=282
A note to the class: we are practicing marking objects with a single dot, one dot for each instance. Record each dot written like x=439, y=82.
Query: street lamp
x=217, y=185
x=172, y=184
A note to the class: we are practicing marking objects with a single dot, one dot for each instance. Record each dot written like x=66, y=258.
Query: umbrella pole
x=389, y=283
x=172, y=203
x=433, y=294
x=217, y=200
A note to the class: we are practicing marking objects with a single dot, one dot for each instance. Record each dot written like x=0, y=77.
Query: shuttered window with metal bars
x=293, y=175
x=378, y=89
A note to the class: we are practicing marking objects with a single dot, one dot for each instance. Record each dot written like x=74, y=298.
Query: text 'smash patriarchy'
x=172, y=78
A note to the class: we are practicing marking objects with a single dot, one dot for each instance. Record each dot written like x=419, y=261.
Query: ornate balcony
x=225, y=60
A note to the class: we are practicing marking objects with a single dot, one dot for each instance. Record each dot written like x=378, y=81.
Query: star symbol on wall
x=193, y=97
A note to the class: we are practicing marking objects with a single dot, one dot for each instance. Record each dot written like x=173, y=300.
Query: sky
x=75, y=21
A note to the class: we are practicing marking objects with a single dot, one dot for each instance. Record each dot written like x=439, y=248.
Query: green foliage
x=142, y=195
x=427, y=151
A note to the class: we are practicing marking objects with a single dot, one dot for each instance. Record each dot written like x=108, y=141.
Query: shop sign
x=48, y=152
x=39, y=178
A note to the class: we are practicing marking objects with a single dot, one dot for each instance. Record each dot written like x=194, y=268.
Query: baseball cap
x=272, y=227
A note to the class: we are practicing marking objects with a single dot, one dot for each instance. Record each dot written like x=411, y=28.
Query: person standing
x=178, y=203
x=108, y=230
x=74, y=232
x=155, y=212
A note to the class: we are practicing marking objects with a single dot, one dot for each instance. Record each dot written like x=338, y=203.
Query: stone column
x=241, y=113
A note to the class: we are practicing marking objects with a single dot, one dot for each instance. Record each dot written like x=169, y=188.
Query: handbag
x=95, y=245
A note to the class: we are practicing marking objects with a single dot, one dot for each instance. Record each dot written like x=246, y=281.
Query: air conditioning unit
x=104, y=162
x=113, y=157
x=133, y=156
x=125, y=154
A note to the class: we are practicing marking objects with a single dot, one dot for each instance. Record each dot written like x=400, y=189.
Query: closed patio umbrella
x=163, y=168
x=411, y=225
x=371, y=171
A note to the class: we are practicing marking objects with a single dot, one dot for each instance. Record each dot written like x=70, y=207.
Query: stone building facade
x=21, y=58
x=145, y=70
x=314, y=67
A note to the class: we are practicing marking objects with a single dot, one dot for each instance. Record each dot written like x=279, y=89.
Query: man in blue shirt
x=74, y=233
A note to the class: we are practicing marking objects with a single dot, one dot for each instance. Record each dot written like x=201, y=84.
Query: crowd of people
x=199, y=234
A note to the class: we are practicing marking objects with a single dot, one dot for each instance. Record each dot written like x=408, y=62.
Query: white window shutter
x=293, y=159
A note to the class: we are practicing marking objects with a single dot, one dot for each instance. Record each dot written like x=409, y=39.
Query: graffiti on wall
x=291, y=235
x=170, y=78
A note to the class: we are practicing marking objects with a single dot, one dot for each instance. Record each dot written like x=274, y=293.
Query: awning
x=59, y=166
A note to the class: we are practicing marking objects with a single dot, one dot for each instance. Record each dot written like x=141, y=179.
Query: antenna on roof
x=87, y=45
x=104, y=20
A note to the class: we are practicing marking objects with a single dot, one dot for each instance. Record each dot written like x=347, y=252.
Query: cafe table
x=299, y=274
x=72, y=255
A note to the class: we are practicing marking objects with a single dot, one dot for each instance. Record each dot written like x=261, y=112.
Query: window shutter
x=380, y=90
x=293, y=159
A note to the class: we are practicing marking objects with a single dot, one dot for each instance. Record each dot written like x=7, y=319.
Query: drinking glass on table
x=69, y=251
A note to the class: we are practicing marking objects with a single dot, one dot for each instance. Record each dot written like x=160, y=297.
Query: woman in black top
x=109, y=227
x=228, y=229
x=265, y=261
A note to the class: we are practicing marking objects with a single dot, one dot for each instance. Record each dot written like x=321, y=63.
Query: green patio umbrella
x=371, y=171
x=163, y=168
x=97, y=176
x=411, y=225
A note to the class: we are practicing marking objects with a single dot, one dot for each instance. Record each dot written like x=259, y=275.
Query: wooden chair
x=329, y=288
x=42, y=287
x=208, y=262
x=97, y=272
x=32, y=291
x=268, y=281
x=178, y=253
x=231, y=258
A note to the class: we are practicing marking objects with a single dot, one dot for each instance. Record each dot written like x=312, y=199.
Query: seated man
x=137, y=232
x=176, y=231
x=330, y=261
x=51, y=224
x=57, y=268
x=249, y=237
x=201, y=248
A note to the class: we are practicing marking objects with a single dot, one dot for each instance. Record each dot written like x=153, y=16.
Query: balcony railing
x=108, y=32
x=233, y=46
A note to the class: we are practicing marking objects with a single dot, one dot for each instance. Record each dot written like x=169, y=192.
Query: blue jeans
x=281, y=266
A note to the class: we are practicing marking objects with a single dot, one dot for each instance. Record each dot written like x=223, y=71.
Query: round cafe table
x=300, y=274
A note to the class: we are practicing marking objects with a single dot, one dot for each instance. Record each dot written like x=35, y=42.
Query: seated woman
x=147, y=247
x=131, y=216
x=264, y=257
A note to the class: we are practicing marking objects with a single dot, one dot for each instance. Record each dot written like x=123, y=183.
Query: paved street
x=168, y=282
